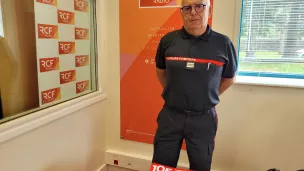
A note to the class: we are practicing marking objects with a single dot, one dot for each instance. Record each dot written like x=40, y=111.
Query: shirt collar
x=204, y=36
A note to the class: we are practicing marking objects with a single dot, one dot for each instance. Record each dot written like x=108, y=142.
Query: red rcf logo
x=67, y=76
x=81, y=33
x=47, y=31
x=81, y=60
x=65, y=17
x=82, y=86
x=50, y=95
x=66, y=47
x=81, y=5
x=48, y=64
x=47, y=1
x=51, y=2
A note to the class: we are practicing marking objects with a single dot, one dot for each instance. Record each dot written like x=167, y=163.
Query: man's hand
x=161, y=76
x=225, y=84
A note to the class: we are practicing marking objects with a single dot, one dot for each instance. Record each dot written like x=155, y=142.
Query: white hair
x=208, y=2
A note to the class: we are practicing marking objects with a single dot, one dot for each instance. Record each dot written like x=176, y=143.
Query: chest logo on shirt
x=190, y=65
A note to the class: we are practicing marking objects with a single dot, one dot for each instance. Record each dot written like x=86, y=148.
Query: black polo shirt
x=194, y=68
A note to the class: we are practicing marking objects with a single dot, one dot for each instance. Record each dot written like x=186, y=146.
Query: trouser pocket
x=213, y=114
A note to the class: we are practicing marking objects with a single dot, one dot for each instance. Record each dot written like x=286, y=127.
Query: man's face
x=194, y=14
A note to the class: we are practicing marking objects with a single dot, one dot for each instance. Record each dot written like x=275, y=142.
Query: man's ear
x=210, y=11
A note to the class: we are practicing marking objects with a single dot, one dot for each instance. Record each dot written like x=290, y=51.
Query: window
x=47, y=54
x=271, y=42
x=1, y=22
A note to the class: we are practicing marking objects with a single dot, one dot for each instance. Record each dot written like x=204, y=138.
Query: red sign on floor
x=158, y=167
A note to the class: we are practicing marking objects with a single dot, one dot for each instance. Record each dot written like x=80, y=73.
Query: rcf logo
x=82, y=86
x=47, y=31
x=81, y=5
x=81, y=33
x=65, y=17
x=158, y=167
x=49, y=64
x=50, y=2
x=81, y=60
x=67, y=76
x=50, y=95
x=66, y=47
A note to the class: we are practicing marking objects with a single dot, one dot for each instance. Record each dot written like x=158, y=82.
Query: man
x=194, y=65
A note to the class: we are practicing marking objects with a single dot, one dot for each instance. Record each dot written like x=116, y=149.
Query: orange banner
x=140, y=32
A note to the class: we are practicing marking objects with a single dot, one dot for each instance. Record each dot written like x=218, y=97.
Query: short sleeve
x=230, y=67
x=160, y=55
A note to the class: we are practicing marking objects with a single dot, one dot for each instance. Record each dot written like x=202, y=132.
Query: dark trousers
x=197, y=129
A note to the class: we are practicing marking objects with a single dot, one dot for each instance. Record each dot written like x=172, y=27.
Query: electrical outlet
x=129, y=164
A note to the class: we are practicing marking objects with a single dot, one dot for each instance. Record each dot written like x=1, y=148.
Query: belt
x=187, y=112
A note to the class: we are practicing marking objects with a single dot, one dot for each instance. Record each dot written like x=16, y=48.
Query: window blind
x=272, y=36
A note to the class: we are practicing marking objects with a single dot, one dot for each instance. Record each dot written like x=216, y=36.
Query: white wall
x=254, y=134
x=74, y=143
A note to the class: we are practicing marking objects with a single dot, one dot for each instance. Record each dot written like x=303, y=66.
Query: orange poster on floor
x=142, y=24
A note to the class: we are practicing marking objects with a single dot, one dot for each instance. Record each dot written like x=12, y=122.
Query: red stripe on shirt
x=186, y=59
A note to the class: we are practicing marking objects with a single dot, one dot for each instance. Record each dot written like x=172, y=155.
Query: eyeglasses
x=198, y=8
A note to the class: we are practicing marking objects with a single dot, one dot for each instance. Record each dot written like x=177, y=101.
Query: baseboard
x=103, y=168
x=132, y=161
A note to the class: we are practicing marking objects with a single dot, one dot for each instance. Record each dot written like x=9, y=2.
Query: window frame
x=260, y=78
x=29, y=120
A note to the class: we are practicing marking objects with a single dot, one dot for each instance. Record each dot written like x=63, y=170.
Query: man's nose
x=193, y=12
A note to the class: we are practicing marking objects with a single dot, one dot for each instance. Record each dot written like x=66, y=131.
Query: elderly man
x=194, y=65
